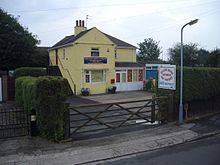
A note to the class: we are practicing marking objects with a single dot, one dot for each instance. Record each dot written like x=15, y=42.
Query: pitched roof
x=70, y=39
x=118, y=42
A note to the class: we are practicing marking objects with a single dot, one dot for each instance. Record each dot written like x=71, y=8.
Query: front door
x=121, y=79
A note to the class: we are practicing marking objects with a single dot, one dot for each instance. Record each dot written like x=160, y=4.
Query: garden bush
x=50, y=94
x=24, y=92
x=30, y=71
x=47, y=95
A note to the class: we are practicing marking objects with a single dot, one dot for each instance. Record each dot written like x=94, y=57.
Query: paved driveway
x=109, y=98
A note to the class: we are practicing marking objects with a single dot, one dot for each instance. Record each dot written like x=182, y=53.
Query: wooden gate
x=95, y=118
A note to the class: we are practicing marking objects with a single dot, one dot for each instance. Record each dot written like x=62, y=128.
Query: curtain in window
x=97, y=76
x=135, y=75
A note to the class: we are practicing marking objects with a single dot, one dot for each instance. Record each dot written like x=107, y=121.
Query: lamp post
x=181, y=72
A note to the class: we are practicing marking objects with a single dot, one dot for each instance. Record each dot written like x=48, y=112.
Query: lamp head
x=193, y=22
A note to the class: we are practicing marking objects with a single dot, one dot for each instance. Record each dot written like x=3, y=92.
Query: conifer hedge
x=46, y=95
x=30, y=71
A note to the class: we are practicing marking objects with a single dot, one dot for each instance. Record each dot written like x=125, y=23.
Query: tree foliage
x=17, y=45
x=203, y=56
x=190, y=54
x=40, y=58
x=214, y=58
x=194, y=56
x=149, y=51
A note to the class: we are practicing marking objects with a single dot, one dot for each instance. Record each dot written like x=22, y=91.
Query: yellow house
x=95, y=60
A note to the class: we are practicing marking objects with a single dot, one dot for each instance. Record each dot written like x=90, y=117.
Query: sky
x=129, y=20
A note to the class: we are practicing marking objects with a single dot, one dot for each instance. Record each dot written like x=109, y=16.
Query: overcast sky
x=129, y=20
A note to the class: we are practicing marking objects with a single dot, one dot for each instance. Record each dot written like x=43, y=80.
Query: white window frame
x=96, y=51
x=89, y=72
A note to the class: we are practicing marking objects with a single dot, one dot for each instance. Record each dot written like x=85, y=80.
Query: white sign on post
x=167, y=77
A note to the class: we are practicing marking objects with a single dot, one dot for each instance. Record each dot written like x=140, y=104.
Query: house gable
x=94, y=36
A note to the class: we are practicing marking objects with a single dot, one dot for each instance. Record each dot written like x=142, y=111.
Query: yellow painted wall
x=125, y=55
x=52, y=57
x=72, y=65
x=79, y=29
x=82, y=48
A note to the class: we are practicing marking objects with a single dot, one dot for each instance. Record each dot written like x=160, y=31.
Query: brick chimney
x=80, y=26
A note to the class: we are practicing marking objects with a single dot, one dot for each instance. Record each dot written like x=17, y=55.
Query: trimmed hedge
x=30, y=71
x=198, y=84
x=47, y=95
x=51, y=92
x=24, y=92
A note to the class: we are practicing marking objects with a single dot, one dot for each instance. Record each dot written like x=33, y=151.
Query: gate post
x=170, y=107
x=67, y=122
x=153, y=110
x=33, y=123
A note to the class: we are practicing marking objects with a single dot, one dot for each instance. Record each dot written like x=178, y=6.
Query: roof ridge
x=67, y=40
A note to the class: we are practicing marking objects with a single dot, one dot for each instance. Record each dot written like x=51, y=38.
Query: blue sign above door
x=95, y=60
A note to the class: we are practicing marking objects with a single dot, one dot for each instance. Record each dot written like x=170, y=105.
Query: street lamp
x=181, y=72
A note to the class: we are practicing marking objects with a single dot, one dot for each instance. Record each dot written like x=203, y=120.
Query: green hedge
x=47, y=95
x=198, y=84
x=30, y=71
x=24, y=92
x=51, y=92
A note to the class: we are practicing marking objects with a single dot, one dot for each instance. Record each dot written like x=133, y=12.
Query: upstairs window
x=95, y=52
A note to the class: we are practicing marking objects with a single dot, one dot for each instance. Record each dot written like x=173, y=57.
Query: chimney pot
x=80, y=26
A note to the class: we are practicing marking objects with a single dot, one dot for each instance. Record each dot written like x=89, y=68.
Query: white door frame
x=121, y=86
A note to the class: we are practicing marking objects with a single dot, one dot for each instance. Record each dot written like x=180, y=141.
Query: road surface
x=201, y=152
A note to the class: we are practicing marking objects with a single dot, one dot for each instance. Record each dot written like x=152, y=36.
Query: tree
x=203, y=56
x=190, y=54
x=149, y=51
x=214, y=58
x=17, y=45
x=40, y=58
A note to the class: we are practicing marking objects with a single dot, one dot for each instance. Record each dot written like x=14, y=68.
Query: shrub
x=19, y=91
x=28, y=93
x=51, y=92
x=47, y=95
x=24, y=88
x=150, y=85
x=198, y=84
x=30, y=71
